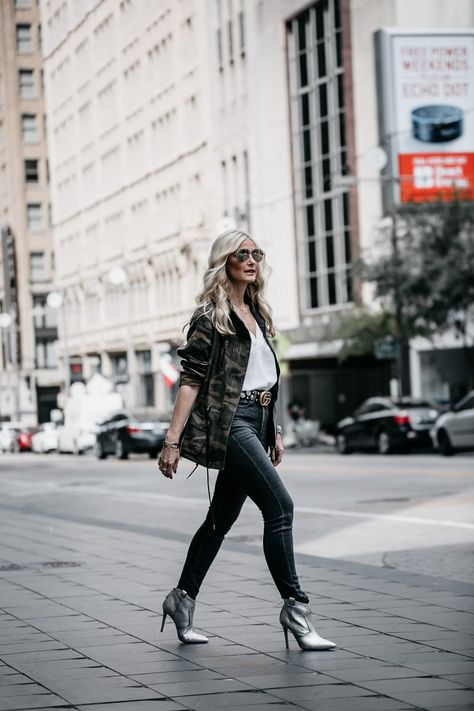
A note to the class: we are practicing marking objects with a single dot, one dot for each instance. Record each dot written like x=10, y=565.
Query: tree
x=423, y=274
x=362, y=330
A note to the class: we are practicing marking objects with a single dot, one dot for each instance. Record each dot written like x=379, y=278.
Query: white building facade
x=29, y=368
x=168, y=121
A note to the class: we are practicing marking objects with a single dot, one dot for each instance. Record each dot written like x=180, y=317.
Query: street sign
x=385, y=348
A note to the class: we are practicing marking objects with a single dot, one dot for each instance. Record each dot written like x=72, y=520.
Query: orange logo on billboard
x=429, y=176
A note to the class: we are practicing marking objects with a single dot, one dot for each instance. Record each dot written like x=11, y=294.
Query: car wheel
x=341, y=444
x=444, y=443
x=120, y=451
x=384, y=445
x=99, y=452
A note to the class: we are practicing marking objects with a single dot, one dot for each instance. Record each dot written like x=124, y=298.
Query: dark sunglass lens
x=257, y=254
x=242, y=255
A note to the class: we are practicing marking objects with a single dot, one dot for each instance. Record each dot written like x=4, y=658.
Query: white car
x=46, y=439
x=455, y=429
x=75, y=441
x=8, y=435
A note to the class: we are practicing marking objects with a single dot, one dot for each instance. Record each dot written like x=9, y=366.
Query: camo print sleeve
x=195, y=353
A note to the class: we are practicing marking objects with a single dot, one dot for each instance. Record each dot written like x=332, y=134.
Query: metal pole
x=67, y=376
x=130, y=351
x=403, y=351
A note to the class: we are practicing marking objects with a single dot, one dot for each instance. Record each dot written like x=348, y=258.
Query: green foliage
x=428, y=273
x=423, y=274
x=361, y=331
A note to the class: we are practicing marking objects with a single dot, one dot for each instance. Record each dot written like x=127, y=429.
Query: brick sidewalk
x=80, y=615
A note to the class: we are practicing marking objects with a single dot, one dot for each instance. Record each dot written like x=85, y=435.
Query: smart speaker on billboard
x=426, y=99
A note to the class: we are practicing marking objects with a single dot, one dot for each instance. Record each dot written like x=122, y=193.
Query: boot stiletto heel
x=163, y=622
x=180, y=607
x=297, y=617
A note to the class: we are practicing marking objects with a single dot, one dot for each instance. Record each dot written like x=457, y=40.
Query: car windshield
x=411, y=404
x=141, y=417
x=137, y=417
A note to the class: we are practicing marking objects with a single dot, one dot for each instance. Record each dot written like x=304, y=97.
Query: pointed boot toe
x=297, y=617
x=180, y=607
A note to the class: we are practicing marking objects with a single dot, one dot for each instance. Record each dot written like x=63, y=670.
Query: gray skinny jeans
x=248, y=472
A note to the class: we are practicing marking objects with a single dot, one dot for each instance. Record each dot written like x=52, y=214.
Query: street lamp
x=118, y=276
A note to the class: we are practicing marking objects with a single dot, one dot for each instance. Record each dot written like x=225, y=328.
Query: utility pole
x=403, y=349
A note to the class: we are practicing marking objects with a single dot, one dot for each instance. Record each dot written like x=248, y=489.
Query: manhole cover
x=59, y=564
x=46, y=564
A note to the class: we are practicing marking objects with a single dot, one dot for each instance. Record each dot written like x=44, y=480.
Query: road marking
x=386, y=517
x=292, y=468
x=27, y=488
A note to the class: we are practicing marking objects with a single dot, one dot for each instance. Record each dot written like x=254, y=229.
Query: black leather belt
x=261, y=397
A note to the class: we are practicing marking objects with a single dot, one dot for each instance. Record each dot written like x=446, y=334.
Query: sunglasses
x=243, y=254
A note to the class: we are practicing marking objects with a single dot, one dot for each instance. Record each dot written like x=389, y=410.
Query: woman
x=224, y=418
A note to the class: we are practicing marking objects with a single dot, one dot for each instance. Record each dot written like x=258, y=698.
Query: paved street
x=88, y=550
x=412, y=512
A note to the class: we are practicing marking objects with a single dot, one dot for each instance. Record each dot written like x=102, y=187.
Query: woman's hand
x=169, y=456
x=277, y=451
x=168, y=461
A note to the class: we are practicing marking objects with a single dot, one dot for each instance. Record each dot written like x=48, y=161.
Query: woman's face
x=243, y=272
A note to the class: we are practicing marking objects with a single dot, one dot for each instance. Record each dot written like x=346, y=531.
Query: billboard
x=426, y=102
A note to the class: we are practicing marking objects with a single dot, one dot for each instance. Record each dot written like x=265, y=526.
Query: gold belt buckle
x=264, y=398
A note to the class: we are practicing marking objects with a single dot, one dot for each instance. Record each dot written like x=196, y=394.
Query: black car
x=125, y=432
x=386, y=426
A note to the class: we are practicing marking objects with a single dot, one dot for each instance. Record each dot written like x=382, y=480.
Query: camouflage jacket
x=217, y=364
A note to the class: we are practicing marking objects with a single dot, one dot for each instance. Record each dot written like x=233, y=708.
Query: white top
x=261, y=369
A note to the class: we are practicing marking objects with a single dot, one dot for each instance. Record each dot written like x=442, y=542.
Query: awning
x=313, y=349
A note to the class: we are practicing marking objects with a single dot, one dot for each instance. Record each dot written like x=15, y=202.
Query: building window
x=45, y=354
x=29, y=128
x=146, y=379
x=44, y=316
x=31, y=170
x=26, y=82
x=230, y=36
x=319, y=134
x=37, y=266
x=46, y=333
x=22, y=4
x=34, y=217
x=118, y=362
x=241, y=30
x=24, y=39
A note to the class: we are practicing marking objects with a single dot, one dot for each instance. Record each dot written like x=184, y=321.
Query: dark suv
x=125, y=433
x=386, y=426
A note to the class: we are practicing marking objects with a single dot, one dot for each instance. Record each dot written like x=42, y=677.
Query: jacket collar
x=239, y=324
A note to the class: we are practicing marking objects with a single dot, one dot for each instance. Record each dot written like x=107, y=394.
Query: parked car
x=454, y=430
x=126, y=432
x=76, y=440
x=45, y=439
x=385, y=426
x=86, y=406
x=8, y=436
x=23, y=440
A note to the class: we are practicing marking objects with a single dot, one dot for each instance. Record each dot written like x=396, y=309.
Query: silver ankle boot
x=296, y=617
x=180, y=607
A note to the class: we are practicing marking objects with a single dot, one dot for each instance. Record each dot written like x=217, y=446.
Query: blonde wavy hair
x=216, y=290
